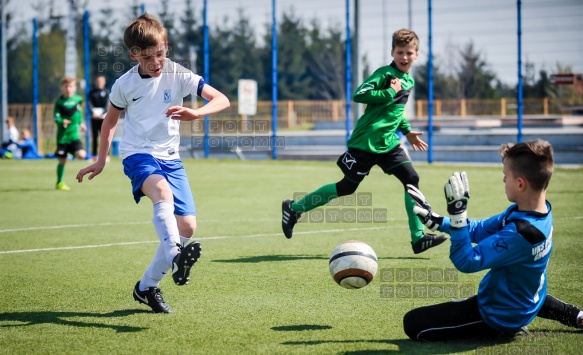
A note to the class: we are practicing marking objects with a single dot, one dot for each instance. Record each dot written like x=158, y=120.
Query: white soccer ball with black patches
x=353, y=264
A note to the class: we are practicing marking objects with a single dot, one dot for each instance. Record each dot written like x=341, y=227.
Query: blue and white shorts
x=138, y=167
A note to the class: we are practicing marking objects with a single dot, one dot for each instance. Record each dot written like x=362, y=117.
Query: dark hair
x=143, y=32
x=531, y=160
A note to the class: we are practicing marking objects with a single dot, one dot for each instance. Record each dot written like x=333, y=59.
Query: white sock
x=184, y=240
x=580, y=319
x=156, y=271
x=167, y=229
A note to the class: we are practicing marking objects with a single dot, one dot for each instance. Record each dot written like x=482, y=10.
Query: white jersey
x=145, y=100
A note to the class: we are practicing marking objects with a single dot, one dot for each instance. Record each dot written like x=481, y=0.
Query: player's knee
x=187, y=227
x=346, y=187
x=413, y=179
x=411, y=324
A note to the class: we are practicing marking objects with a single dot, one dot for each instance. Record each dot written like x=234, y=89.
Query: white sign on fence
x=247, y=97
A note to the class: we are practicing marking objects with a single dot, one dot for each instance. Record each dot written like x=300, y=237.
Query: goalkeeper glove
x=457, y=194
x=423, y=210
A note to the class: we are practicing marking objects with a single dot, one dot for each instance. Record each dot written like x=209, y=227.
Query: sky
x=551, y=29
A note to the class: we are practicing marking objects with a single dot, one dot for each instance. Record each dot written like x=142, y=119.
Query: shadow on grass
x=268, y=258
x=403, y=258
x=558, y=331
x=28, y=189
x=34, y=318
x=264, y=258
x=300, y=327
x=404, y=346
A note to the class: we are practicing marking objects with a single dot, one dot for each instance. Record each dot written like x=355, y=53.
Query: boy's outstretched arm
x=107, y=131
x=217, y=102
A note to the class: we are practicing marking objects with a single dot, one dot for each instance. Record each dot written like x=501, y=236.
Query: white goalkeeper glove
x=423, y=210
x=457, y=194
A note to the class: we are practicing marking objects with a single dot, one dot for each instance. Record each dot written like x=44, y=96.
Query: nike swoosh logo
x=137, y=98
x=144, y=299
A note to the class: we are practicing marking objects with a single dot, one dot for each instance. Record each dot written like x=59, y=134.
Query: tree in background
x=235, y=55
x=191, y=35
x=325, y=57
x=444, y=86
x=310, y=58
x=167, y=18
x=475, y=79
x=109, y=57
x=294, y=82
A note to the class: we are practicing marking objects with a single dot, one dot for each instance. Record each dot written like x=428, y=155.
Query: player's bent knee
x=411, y=324
x=346, y=187
x=186, y=225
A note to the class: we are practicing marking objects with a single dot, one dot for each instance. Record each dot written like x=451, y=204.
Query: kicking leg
x=420, y=241
x=292, y=210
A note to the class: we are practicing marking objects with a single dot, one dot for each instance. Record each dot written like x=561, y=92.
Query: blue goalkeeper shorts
x=138, y=167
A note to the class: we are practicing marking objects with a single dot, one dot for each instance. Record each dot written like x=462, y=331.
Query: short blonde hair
x=143, y=32
x=68, y=80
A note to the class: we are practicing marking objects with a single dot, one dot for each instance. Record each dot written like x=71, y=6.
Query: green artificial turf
x=69, y=261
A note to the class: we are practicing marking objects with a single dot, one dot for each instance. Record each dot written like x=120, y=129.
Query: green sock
x=318, y=198
x=60, y=172
x=415, y=226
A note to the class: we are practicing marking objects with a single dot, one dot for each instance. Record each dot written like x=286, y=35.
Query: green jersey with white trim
x=68, y=108
x=384, y=114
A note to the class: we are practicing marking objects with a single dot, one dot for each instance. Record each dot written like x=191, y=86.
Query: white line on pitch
x=203, y=238
x=201, y=221
x=114, y=224
x=106, y=224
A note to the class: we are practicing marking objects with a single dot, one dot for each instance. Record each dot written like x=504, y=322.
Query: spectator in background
x=8, y=147
x=99, y=103
x=28, y=146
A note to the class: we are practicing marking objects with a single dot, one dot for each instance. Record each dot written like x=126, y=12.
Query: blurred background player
x=515, y=245
x=151, y=94
x=28, y=147
x=9, y=146
x=374, y=141
x=98, y=102
x=69, y=119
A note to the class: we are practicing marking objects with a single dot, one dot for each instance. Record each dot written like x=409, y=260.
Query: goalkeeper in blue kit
x=515, y=245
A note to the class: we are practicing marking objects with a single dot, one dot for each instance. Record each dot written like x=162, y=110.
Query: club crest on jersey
x=500, y=245
x=167, y=96
x=348, y=160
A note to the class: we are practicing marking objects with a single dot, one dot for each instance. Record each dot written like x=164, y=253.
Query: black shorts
x=356, y=164
x=68, y=148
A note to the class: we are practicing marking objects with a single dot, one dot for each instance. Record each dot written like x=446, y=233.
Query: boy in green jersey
x=374, y=141
x=69, y=119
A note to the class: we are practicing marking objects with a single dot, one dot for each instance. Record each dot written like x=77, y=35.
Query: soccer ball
x=353, y=264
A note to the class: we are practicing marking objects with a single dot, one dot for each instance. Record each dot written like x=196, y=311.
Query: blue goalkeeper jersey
x=516, y=247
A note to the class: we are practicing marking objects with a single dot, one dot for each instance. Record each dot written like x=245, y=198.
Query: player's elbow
x=463, y=265
x=223, y=102
x=360, y=99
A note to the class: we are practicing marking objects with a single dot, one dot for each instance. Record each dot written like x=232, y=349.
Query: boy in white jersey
x=151, y=94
